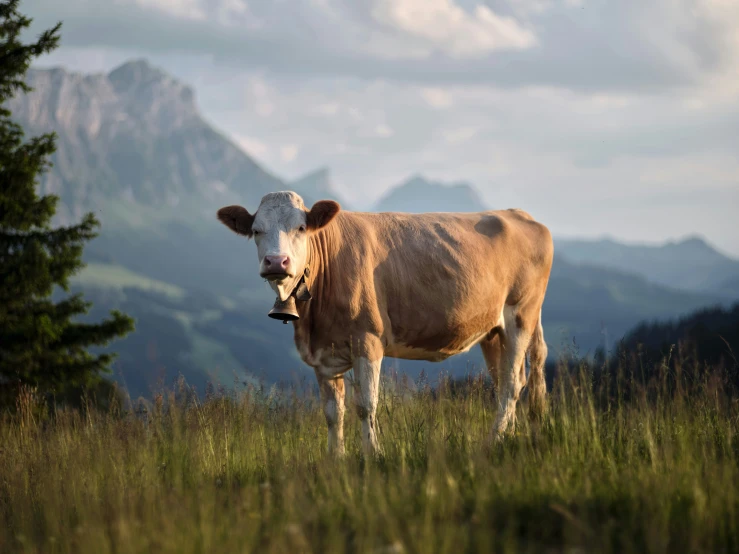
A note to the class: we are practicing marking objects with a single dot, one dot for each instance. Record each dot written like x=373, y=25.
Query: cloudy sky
x=600, y=117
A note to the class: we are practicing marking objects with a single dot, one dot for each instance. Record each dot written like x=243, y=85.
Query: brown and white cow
x=412, y=286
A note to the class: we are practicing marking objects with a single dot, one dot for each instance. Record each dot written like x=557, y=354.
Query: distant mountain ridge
x=688, y=264
x=418, y=195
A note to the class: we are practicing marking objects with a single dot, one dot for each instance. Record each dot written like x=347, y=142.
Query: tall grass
x=655, y=470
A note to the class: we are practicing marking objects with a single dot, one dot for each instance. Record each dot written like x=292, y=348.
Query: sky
x=601, y=118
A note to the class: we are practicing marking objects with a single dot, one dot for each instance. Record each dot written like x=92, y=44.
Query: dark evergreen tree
x=41, y=343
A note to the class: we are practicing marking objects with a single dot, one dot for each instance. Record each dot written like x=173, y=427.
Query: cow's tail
x=537, y=384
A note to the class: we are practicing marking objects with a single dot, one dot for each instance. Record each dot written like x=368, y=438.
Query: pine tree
x=41, y=344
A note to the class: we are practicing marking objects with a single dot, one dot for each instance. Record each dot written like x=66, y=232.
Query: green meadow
x=617, y=464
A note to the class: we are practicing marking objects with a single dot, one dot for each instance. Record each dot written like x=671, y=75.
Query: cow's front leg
x=367, y=374
x=332, y=400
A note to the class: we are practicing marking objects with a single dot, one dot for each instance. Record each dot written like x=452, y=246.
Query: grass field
x=631, y=469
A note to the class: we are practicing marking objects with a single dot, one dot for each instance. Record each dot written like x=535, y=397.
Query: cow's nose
x=274, y=263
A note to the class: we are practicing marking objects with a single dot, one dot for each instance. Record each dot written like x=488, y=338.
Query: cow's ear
x=238, y=219
x=321, y=214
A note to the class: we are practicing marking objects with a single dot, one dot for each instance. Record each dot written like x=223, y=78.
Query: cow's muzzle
x=274, y=276
x=276, y=267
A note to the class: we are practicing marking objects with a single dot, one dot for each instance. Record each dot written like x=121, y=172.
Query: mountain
x=596, y=305
x=134, y=140
x=133, y=146
x=418, y=195
x=689, y=264
x=317, y=185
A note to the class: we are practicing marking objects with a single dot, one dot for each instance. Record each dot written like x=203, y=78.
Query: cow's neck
x=317, y=266
x=319, y=248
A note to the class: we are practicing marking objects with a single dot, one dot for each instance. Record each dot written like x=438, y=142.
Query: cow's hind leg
x=492, y=352
x=537, y=360
x=515, y=340
x=332, y=400
x=367, y=375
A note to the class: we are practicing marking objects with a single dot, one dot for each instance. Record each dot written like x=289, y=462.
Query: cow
x=409, y=286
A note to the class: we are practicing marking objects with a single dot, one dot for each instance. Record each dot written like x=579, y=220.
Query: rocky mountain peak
x=695, y=242
x=147, y=93
x=134, y=95
x=136, y=71
x=134, y=136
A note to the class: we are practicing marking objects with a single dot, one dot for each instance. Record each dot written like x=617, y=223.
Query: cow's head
x=281, y=227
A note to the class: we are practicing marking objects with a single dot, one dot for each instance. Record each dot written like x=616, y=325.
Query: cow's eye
x=302, y=228
x=256, y=232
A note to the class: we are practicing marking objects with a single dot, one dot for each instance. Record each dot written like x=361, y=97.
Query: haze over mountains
x=318, y=185
x=133, y=147
x=419, y=195
x=688, y=264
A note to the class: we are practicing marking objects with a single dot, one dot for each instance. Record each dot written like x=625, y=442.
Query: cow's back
x=433, y=284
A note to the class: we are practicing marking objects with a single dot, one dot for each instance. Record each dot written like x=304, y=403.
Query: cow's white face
x=281, y=228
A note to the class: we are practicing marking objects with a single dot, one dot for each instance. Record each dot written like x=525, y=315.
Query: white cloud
x=437, y=97
x=259, y=94
x=445, y=26
x=225, y=12
x=604, y=46
x=328, y=109
x=383, y=130
x=265, y=108
x=252, y=146
x=237, y=13
x=527, y=8
x=289, y=152
x=462, y=134
x=186, y=9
